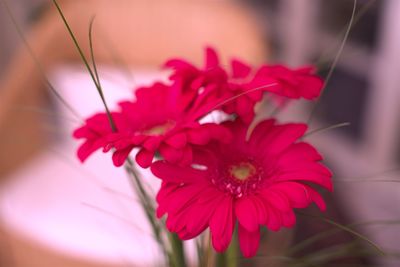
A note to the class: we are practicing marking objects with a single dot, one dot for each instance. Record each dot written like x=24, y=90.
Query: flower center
x=242, y=171
x=159, y=129
x=239, y=179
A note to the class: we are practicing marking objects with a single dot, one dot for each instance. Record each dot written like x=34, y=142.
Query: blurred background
x=56, y=212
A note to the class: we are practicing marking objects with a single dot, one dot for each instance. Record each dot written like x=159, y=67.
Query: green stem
x=210, y=253
x=231, y=253
x=146, y=203
x=178, y=252
x=230, y=257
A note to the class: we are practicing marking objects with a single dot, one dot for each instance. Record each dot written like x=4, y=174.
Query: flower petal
x=248, y=241
x=211, y=58
x=274, y=220
x=152, y=143
x=222, y=224
x=296, y=193
x=144, y=158
x=177, y=140
x=171, y=154
x=119, y=156
x=240, y=69
x=173, y=173
x=247, y=214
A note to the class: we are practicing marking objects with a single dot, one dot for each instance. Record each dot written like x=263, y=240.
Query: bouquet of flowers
x=228, y=171
x=224, y=176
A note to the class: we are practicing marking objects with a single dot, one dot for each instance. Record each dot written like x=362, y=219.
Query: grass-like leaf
x=117, y=59
x=367, y=178
x=286, y=260
x=325, y=234
x=357, y=234
x=325, y=255
x=115, y=216
x=47, y=112
x=370, y=181
x=325, y=54
x=335, y=61
x=145, y=200
x=241, y=94
x=96, y=74
x=347, y=229
x=323, y=129
x=86, y=63
x=37, y=62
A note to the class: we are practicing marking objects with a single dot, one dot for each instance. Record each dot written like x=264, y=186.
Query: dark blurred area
x=364, y=90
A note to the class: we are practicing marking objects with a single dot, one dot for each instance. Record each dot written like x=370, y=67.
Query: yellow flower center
x=243, y=171
x=159, y=129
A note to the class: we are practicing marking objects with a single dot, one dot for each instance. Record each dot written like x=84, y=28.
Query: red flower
x=158, y=121
x=298, y=83
x=256, y=183
x=95, y=132
x=243, y=93
x=193, y=82
x=190, y=78
x=165, y=118
x=231, y=92
x=237, y=92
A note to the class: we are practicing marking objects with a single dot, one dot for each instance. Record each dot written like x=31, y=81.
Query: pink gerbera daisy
x=191, y=78
x=158, y=121
x=241, y=87
x=291, y=83
x=95, y=132
x=255, y=183
x=281, y=81
x=232, y=91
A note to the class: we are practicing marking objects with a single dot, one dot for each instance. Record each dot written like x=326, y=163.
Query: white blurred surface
x=85, y=210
